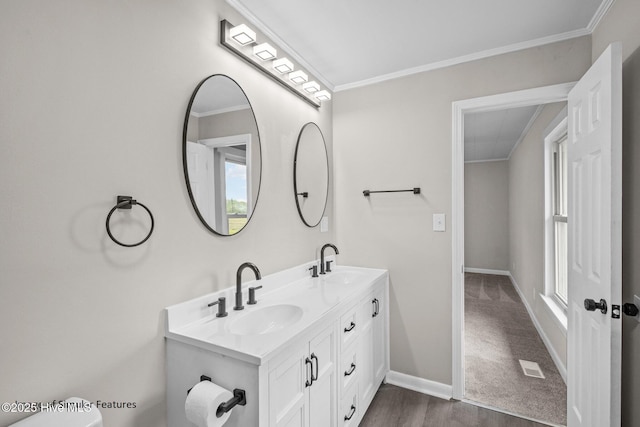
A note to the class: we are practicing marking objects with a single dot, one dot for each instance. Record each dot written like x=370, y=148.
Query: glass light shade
x=264, y=51
x=242, y=34
x=323, y=95
x=298, y=77
x=283, y=65
x=311, y=87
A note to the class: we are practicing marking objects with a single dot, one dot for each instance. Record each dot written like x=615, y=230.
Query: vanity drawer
x=349, y=328
x=349, y=411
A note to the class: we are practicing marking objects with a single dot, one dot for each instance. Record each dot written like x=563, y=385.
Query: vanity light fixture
x=323, y=95
x=243, y=42
x=298, y=77
x=311, y=87
x=283, y=65
x=242, y=34
x=265, y=51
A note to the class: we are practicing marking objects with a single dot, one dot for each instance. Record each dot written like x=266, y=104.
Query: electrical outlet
x=636, y=301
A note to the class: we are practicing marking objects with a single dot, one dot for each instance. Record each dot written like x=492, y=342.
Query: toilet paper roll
x=202, y=403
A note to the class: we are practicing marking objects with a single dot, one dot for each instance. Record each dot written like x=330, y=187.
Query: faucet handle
x=314, y=271
x=222, y=306
x=328, y=267
x=252, y=294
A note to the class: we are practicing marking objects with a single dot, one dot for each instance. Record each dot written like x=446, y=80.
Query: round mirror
x=221, y=155
x=311, y=174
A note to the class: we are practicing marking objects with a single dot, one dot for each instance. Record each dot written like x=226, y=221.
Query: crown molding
x=221, y=111
x=593, y=24
x=466, y=58
x=599, y=15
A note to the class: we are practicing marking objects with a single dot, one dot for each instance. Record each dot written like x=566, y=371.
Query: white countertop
x=192, y=322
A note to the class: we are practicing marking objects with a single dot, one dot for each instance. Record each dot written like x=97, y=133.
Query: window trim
x=558, y=310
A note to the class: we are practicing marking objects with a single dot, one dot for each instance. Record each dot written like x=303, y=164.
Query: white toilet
x=64, y=418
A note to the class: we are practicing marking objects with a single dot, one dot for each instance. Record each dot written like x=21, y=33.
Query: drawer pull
x=308, y=382
x=314, y=378
x=376, y=307
x=350, y=328
x=351, y=370
x=353, y=411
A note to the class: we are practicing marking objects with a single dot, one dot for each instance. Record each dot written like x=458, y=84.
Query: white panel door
x=595, y=243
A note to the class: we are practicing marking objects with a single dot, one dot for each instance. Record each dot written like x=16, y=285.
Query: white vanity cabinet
x=302, y=384
x=320, y=371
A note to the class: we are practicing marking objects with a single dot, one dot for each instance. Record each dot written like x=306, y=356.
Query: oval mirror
x=221, y=155
x=311, y=174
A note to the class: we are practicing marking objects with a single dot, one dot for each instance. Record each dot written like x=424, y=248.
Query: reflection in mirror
x=221, y=155
x=311, y=174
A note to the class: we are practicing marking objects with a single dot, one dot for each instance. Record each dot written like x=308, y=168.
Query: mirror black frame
x=184, y=155
x=295, y=166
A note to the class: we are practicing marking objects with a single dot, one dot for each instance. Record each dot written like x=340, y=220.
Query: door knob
x=630, y=309
x=591, y=305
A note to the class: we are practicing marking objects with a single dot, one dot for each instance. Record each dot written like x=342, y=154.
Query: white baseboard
x=487, y=271
x=552, y=352
x=432, y=388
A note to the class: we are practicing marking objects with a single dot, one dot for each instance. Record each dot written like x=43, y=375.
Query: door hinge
x=615, y=311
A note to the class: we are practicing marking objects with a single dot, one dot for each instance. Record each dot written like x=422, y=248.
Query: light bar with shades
x=242, y=34
x=243, y=41
x=298, y=77
x=265, y=51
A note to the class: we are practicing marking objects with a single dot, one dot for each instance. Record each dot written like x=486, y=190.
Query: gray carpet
x=499, y=332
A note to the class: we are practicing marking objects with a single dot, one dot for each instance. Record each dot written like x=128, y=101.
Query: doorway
x=509, y=339
x=521, y=100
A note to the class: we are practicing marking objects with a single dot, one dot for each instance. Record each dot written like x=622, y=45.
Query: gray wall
x=397, y=134
x=94, y=95
x=621, y=23
x=486, y=215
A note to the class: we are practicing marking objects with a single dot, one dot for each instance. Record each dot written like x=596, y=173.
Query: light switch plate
x=439, y=222
x=324, y=224
x=636, y=301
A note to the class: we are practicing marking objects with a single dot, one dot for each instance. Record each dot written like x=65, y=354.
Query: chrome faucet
x=322, y=263
x=253, y=267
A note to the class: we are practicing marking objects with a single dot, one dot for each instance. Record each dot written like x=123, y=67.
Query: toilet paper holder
x=239, y=398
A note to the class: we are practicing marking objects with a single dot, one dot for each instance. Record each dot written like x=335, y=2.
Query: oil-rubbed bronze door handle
x=591, y=305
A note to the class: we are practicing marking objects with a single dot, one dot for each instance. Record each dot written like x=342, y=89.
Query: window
x=236, y=194
x=559, y=198
x=555, y=220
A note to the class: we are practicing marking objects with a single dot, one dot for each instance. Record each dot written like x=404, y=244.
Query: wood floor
x=397, y=407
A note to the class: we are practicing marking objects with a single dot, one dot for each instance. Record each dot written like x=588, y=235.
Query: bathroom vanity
x=310, y=352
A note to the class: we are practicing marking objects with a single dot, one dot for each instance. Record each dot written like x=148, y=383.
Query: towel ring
x=125, y=202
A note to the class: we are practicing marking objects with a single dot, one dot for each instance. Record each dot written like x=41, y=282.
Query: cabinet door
x=367, y=348
x=287, y=391
x=379, y=323
x=322, y=393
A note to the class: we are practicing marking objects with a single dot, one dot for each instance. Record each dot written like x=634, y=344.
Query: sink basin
x=266, y=320
x=342, y=277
